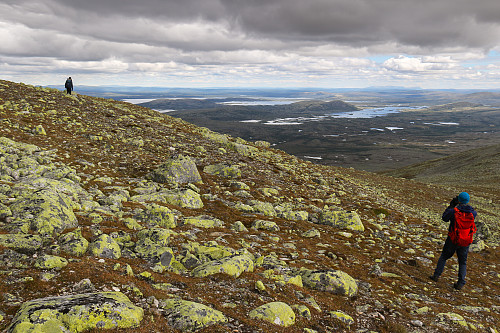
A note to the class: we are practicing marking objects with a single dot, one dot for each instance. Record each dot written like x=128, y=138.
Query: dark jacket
x=69, y=84
x=449, y=213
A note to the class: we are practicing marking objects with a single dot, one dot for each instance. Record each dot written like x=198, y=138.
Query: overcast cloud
x=330, y=43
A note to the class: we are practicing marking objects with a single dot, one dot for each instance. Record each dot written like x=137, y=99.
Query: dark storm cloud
x=254, y=38
x=423, y=23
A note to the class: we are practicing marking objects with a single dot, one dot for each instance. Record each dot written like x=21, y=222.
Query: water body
x=374, y=112
x=268, y=102
x=365, y=113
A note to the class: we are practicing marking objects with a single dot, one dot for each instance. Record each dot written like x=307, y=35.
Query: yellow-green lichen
x=342, y=219
x=233, y=266
x=190, y=316
x=277, y=313
x=334, y=281
x=77, y=313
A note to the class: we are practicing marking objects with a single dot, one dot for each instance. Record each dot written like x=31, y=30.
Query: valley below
x=369, y=133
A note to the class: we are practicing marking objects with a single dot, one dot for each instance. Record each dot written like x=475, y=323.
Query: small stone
x=417, y=323
x=259, y=285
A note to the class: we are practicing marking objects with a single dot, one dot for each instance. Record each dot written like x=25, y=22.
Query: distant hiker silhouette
x=69, y=85
x=460, y=233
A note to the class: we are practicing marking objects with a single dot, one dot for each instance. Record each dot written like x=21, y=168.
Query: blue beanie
x=463, y=197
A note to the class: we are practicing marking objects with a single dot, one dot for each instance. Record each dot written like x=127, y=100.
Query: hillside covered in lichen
x=114, y=216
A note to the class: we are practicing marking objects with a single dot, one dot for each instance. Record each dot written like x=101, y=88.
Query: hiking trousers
x=449, y=250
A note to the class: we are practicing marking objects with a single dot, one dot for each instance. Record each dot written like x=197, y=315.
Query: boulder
x=277, y=313
x=50, y=262
x=223, y=170
x=210, y=251
x=153, y=243
x=311, y=233
x=157, y=215
x=46, y=212
x=242, y=149
x=233, y=266
x=74, y=243
x=342, y=317
x=334, y=281
x=179, y=169
x=188, y=316
x=77, y=313
x=341, y=219
x=185, y=198
x=204, y=221
x=264, y=208
x=239, y=227
x=105, y=247
x=265, y=225
x=23, y=243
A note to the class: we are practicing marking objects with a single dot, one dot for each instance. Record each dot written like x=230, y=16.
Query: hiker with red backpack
x=460, y=234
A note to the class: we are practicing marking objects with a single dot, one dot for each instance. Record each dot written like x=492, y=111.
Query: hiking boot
x=457, y=286
x=434, y=278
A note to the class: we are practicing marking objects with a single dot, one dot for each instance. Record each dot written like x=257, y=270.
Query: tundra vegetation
x=117, y=217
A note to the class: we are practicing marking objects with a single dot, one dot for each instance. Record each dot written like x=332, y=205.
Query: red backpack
x=463, y=229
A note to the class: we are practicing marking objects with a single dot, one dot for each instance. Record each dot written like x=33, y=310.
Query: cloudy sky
x=252, y=43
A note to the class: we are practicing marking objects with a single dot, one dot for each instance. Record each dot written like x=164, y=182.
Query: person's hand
x=454, y=202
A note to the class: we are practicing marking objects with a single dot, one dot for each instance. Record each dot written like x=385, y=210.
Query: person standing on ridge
x=69, y=85
x=460, y=233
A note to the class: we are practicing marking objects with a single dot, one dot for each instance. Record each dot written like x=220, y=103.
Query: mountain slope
x=476, y=169
x=85, y=217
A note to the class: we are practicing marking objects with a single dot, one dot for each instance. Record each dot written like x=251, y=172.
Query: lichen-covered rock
x=239, y=226
x=153, y=243
x=334, y=281
x=242, y=149
x=179, y=169
x=77, y=313
x=210, y=251
x=223, y=170
x=46, y=212
x=264, y=208
x=185, y=198
x=311, y=233
x=233, y=266
x=61, y=180
x=50, y=262
x=269, y=192
x=188, y=316
x=23, y=243
x=302, y=311
x=4, y=211
x=343, y=317
x=277, y=313
x=294, y=215
x=204, y=221
x=452, y=318
x=157, y=215
x=341, y=219
x=265, y=225
x=105, y=247
x=74, y=243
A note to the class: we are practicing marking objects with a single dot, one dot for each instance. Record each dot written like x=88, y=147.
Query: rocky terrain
x=117, y=217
